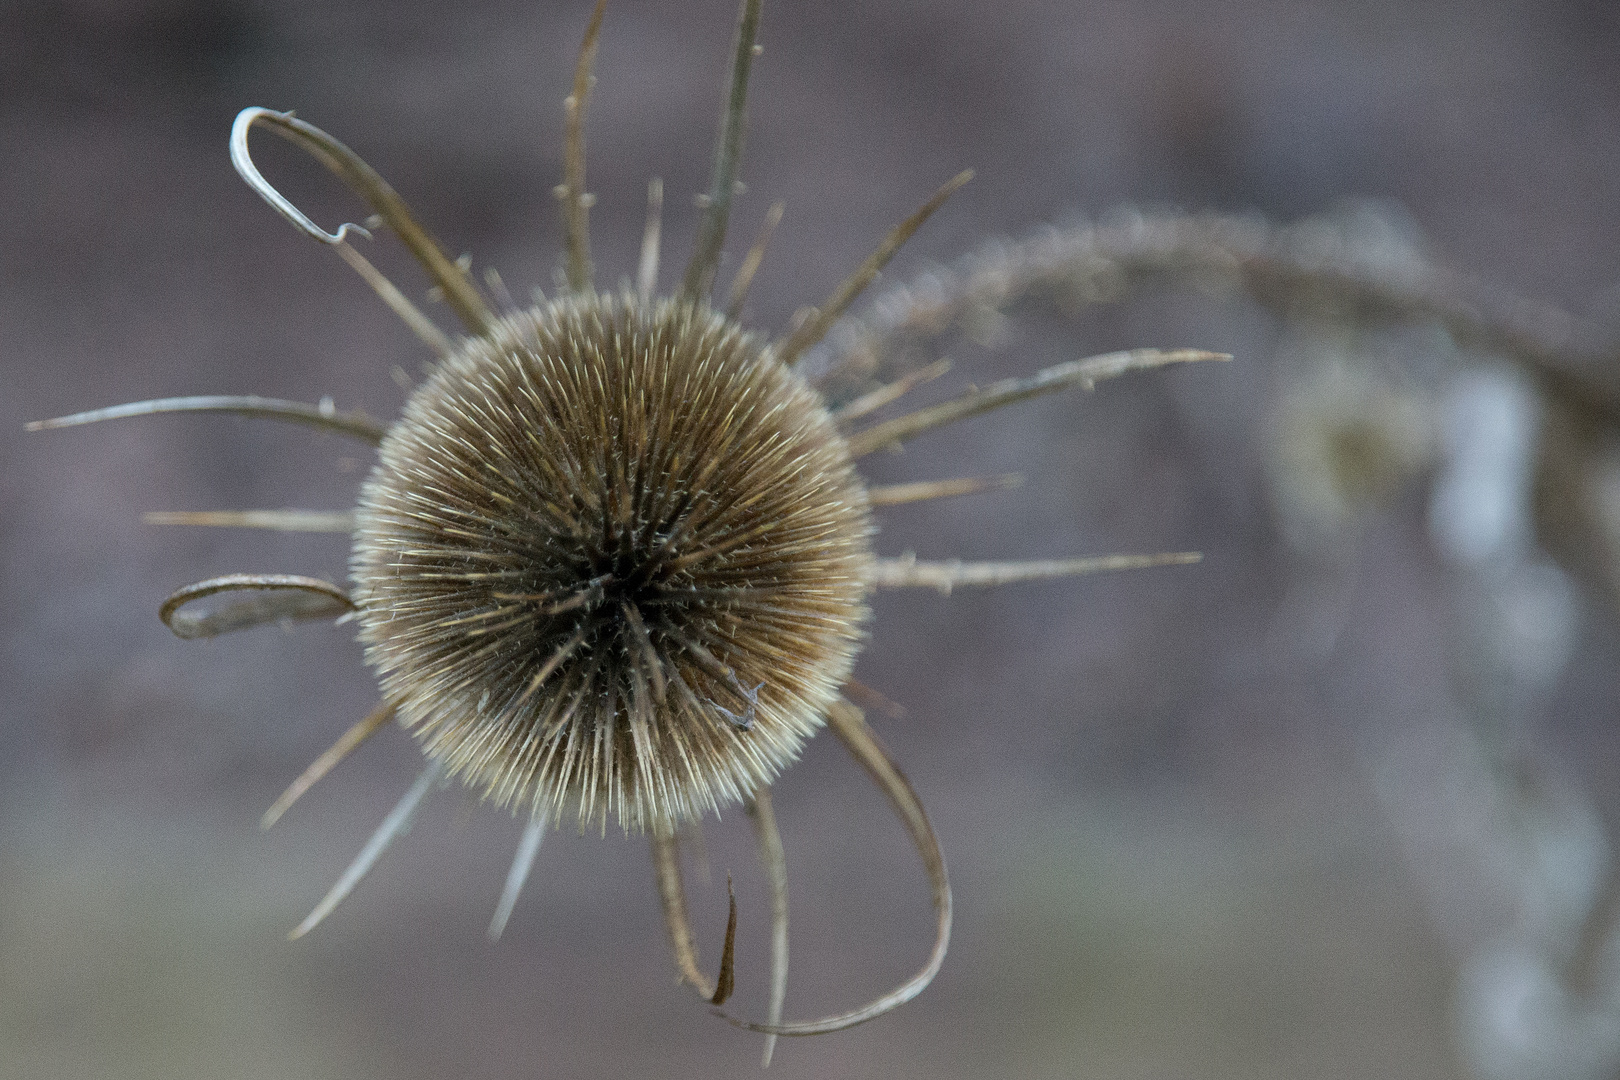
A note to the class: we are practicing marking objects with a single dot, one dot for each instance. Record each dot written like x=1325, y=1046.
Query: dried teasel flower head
x=614, y=558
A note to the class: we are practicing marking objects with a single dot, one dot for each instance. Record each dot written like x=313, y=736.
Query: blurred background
x=1338, y=802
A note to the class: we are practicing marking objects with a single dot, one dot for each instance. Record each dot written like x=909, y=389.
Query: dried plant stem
x=356, y=424
x=317, y=521
x=773, y=860
x=895, y=494
x=727, y=157
x=277, y=597
x=907, y=572
x=576, y=203
x=397, y=823
x=816, y=326
x=347, y=742
x=849, y=724
x=459, y=291
x=1083, y=373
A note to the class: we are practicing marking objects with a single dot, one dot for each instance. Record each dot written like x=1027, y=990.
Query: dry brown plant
x=614, y=556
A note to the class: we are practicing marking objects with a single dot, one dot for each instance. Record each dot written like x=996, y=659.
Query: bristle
x=612, y=563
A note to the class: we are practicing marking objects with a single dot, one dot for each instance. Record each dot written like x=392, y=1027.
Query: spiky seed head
x=612, y=560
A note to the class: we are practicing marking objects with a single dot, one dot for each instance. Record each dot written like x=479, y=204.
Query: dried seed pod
x=613, y=561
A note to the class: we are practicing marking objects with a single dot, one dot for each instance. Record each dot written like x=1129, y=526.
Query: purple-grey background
x=1168, y=856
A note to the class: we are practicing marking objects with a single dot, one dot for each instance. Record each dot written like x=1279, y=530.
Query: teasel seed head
x=612, y=561
x=613, y=558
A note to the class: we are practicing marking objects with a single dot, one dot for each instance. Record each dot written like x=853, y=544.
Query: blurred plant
x=1392, y=371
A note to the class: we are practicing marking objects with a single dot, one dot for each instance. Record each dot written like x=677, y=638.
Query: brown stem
x=576, y=204
x=727, y=156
